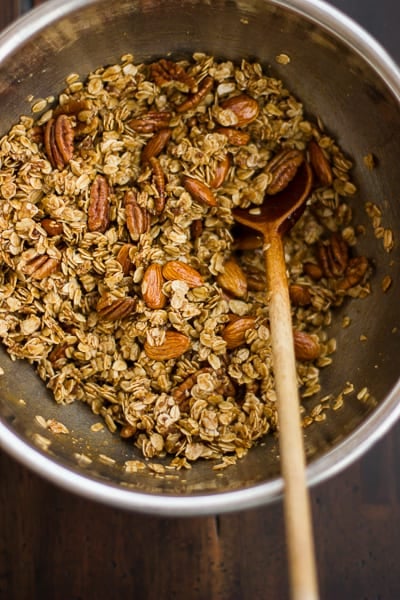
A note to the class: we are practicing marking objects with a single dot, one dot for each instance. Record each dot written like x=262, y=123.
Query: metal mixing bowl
x=343, y=76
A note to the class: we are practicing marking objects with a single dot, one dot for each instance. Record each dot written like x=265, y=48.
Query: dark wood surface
x=58, y=546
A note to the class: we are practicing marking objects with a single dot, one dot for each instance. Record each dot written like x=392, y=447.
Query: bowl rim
x=352, y=447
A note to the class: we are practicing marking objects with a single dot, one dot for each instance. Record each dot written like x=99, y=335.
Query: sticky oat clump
x=123, y=278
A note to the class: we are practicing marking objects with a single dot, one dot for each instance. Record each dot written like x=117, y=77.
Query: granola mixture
x=123, y=278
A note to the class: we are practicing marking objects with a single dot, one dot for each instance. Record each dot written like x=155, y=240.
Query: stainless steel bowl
x=344, y=77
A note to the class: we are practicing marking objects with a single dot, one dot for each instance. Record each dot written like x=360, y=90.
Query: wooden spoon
x=277, y=214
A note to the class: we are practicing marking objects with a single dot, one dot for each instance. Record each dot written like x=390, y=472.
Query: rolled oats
x=124, y=280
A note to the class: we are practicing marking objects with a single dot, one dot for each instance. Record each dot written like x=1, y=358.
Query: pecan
x=354, y=274
x=221, y=172
x=164, y=71
x=176, y=269
x=151, y=121
x=59, y=141
x=333, y=256
x=182, y=391
x=41, y=266
x=112, y=309
x=283, y=167
x=199, y=191
x=244, y=107
x=320, y=163
x=194, y=99
x=124, y=259
x=137, y=218
x=306, y=346
x=174, y=345
x=155, y=145
x=159, y=180
x=234, y=333
x=233, y=279
x=235, y=137
x=299, y=295
x=99, y=205
x=86, y=119
x=152, y=287
x=51, y=226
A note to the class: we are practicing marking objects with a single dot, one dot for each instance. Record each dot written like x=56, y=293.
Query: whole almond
x=174, y=345
x=124, y=259
x=234, y=333
x=233, y=280
x=313, y=270
x=176, y=269
x=221, y=172
x=156, y=144
x=152, y=285
x=199, y=191
x=306, y=346
x=244, y=107
x=299, y=295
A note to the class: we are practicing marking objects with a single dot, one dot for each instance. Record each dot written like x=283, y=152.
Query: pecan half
x=320, y=164
x=194, y=99
x=159, y=180
x=182, y=391
x=59, y=141
x=283, y=167
x=51, y=226
x=354, y=274
x=235, y=136
x=137, y=218
x=112, y=309
x=151, y=121
x=244, y=107
x=57, y=353
x=196, y=228
x=164, y=71
x=199, y=191
x=155, y=145
x=99, y=205
x=333, y=256
x=84, y=111
x=41, y=266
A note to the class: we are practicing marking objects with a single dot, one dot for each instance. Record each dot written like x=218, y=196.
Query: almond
x=313, y=270
x=221, y=172
x=233, y=280
x=152, y=285
x=156, y=144
x=244, y=107
x=199, y=191
x=234, y=333
x=174, y=345
x=306, y=346
x=299, y=295
x=176, y=269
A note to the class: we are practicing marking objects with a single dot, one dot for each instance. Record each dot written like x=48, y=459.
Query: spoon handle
x=297, y=510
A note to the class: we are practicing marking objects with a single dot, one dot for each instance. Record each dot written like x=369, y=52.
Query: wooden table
x=55, y=545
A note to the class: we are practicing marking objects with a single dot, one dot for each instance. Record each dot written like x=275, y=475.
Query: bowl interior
x=351, y=87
